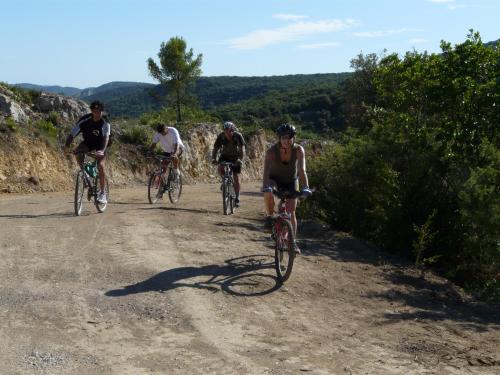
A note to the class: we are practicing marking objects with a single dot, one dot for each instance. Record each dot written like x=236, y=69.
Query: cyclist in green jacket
x=232, y=149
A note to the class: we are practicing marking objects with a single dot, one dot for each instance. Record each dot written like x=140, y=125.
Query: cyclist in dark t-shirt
x=95, y=130
x=232, y=149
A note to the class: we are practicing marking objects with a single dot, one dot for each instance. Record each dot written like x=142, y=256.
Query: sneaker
x=236, y=202
x=296, y=248
x=101, y=197
x=268, y=223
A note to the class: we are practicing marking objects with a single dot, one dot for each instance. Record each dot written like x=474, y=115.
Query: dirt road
x=163, y=289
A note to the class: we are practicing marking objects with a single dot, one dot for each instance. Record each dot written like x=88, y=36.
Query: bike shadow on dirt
x=33, y=216
x=423, y=297
x=244, y=276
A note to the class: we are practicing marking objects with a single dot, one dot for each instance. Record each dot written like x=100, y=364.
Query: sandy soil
x=164, y=289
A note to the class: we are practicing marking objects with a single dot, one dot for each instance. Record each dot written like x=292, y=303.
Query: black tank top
x=283, y=172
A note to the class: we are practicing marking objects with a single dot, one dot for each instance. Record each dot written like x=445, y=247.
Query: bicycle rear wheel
x=284, y=252
x=175, y=187
x=79, y=190
x=155, y=187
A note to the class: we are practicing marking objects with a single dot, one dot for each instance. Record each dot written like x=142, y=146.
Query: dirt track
x=163, y=289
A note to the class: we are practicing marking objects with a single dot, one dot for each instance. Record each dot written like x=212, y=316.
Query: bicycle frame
x=85, y=181
x=162, y=180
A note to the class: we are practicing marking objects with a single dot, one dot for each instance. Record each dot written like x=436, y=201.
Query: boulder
x=10, y=108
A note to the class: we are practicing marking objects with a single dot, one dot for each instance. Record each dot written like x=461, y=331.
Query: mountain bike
x=227, y=188
x=283, y=236
x=161, y=181
x=88, y=178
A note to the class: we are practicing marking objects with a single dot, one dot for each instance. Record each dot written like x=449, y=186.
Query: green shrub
x=137, y=135
x=11, y=124
x=54, y=118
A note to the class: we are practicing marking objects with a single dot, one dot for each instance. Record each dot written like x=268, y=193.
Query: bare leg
x=102, y=174
x=269, y=203
x=236, y=183
x=291, y=205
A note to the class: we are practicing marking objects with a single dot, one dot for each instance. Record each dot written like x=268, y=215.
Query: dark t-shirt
x=229, y=148
x=93, y=132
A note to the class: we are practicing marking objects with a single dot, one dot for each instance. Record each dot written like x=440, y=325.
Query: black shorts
x=84, y=147
x=287, y=186
x=235, y=168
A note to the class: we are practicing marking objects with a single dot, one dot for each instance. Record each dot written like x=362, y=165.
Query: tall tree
x=178, y=69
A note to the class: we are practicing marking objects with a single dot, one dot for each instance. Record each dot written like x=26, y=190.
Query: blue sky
x=83, y=43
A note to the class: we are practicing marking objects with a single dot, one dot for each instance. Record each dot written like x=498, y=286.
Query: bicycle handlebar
x=92, y=154
x=228, y=163
x=287, y=194
x=160, y=158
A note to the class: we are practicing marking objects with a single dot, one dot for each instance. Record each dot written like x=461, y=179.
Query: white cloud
x=319, y=45
x=289, y=17
x=382, y=33
x=418, y=40
x=295, y=31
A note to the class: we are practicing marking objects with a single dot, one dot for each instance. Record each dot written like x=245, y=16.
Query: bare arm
x=266, y=181
x=217, y=146
x=301, y=166
x=105, y=142
x=242, y=152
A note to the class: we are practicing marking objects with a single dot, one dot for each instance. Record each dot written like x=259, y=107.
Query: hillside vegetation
x=419, y=171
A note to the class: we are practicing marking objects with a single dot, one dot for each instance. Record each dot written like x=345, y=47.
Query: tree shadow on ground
x=243, y=276
x=180, y=209
x=238, y=224
x=436, y=299
x=431, y=297
x=253, y=194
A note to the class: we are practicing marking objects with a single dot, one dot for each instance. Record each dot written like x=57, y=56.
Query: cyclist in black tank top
x=284, y=169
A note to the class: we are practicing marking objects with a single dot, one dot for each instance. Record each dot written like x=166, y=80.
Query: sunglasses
x=286, y=137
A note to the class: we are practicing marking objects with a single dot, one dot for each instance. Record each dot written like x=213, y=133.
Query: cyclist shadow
x=241, y=276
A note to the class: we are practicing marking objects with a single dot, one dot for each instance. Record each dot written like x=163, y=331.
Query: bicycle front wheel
x=226, y=197
x=284, y=252
x=175, y=187
x=79, y=190
x=155, y=187
x=232, y=197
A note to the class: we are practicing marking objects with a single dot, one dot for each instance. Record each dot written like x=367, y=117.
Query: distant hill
x=132, y=99
x=492, y=43
x=68, y=91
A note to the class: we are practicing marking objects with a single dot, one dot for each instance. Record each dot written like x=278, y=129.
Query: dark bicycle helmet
x=229, y=125
x=286, y=129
